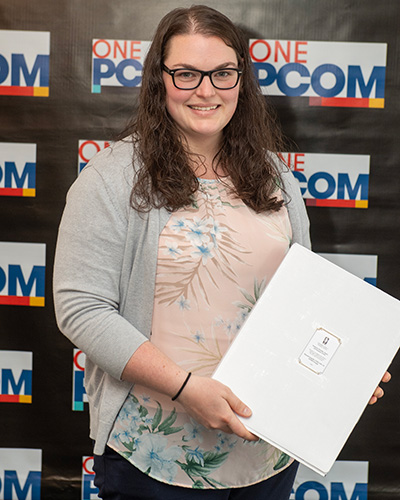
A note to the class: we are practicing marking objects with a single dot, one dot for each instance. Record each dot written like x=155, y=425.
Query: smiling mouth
x=203, y=108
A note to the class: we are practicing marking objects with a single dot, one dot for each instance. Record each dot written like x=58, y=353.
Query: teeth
x=203, y=108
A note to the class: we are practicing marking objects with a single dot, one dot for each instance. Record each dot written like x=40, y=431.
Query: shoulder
x=295, y=204
x=106, y=181
x=112, y=167
x=288, y=182
x=113, y=163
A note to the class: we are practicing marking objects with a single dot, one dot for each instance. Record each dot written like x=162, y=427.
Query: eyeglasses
x=190, y=79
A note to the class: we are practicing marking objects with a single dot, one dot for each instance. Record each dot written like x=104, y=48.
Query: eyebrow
x=220, y=66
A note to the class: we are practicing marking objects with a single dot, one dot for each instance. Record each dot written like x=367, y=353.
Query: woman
x=167, y=240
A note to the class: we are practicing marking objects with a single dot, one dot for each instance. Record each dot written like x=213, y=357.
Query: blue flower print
x=242, y=315
x=204, y=251
x=224, y=441
x=216, y=231
x=183, y=303
x=178, y=224
x=198, y=233
x=199, y=337
x=130, y=413
x=219, y=321
x=232, y=327
x=153, y=456
x=122, y=436
x=195, y=455
x=222, y=438
x=194, y=431
x=129, y=438
x=172, y=249
x=147, y=421
x=232, y=444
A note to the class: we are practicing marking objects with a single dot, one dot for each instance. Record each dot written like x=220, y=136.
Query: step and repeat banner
x=70, y=73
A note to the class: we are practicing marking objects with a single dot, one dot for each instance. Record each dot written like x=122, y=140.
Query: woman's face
x=201, y=113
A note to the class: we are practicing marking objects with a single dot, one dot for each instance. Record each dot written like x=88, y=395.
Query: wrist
x=178, y=393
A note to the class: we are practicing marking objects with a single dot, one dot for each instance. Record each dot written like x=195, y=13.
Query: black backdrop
x=71, y=113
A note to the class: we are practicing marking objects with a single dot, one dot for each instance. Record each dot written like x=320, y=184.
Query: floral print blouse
x=215, y=258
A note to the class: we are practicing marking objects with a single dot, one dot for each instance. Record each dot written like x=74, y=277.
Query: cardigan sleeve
x=296, y=209
x=86, y=279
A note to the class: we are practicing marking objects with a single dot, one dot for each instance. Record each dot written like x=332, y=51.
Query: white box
x=310, y=355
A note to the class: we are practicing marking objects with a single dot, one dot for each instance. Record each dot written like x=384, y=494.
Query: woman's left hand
x=379, y=392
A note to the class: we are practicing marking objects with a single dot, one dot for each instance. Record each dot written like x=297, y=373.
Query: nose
x=206, y=88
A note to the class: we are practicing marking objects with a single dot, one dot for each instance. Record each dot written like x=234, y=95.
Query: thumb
x=239, y=407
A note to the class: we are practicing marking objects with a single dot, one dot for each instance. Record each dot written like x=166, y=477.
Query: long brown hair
x=164, y=177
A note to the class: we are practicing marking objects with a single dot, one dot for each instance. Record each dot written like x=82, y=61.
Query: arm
x=209, y=402
x=87, y=271
x=86, y=281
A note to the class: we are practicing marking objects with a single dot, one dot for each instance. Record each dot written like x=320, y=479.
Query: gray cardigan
x=104, y=275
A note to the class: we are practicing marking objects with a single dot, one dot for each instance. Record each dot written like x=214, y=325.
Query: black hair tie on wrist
x=182, y=386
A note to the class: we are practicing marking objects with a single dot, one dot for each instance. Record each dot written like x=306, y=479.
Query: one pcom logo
x=345, y=74
x=89, y=490
x=17, y=169
x=20, y=473
x=331, y=180
x=79, y=396
x=87, y=149
x=117, y=63
x=364, y=267
x=15, y=377
x=24, y=63
x=22, y=273
x=346, y=480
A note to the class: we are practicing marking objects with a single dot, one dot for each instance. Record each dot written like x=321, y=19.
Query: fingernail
x=247, y=411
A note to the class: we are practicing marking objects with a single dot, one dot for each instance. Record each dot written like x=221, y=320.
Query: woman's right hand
x=213, y=405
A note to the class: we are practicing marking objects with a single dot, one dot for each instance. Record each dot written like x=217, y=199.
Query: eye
x=186, y=74
x=224, y=74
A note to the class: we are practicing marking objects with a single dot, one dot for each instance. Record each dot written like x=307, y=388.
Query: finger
x=386, y=378
x=238, y=406
x=240, y=430
x=379, y=392
x=243, y=410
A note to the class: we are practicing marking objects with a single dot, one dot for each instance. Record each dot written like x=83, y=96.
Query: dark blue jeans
x=117, y=479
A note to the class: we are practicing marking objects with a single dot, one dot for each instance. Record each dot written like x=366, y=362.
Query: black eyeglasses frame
x=172, y=72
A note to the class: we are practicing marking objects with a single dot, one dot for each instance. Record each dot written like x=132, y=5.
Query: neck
x=204, y=152
x=203, y=167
